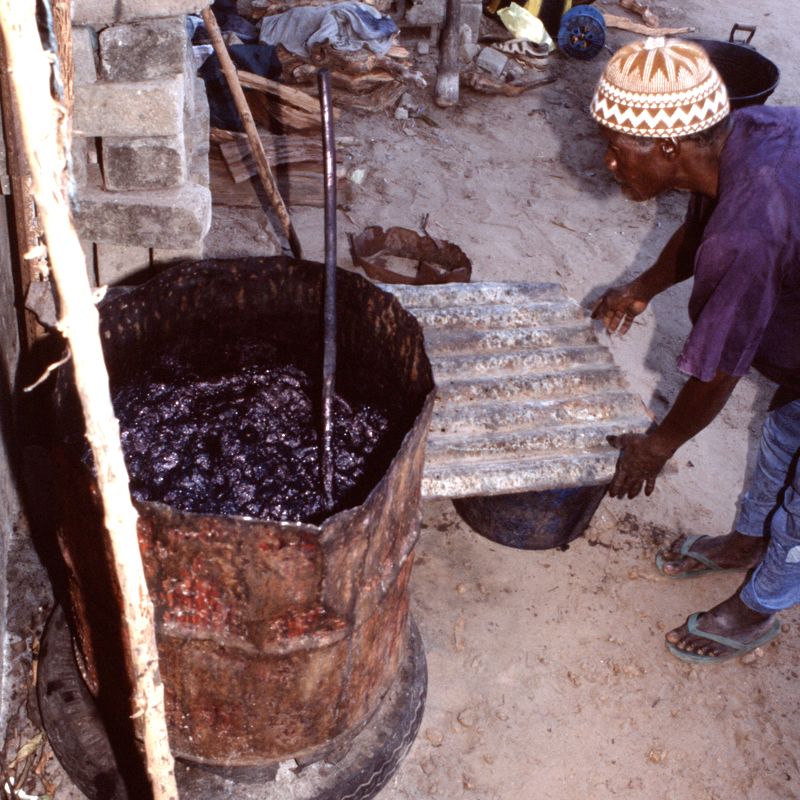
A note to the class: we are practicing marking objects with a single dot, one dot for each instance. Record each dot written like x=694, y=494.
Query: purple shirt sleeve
x=737, y=281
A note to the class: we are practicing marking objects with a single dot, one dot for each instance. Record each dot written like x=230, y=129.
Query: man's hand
x=641, y=458
x=618, y=307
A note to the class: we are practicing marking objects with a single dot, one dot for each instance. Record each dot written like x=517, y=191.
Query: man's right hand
x=619, y=306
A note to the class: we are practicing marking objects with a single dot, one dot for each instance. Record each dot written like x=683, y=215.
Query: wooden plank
x=279, y=150
x=299, y=184
x=270, y=113
x=380, y=99
x=287, y=94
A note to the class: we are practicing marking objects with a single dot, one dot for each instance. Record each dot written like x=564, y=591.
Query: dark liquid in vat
x=221, y=428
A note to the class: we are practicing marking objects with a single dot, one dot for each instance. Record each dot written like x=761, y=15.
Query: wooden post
x=446, y=93
x=44, y=127
x=262, y=165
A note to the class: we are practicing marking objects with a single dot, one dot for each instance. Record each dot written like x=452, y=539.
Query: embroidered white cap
x=660, y=88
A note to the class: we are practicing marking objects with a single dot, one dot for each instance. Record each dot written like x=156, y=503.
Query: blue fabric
x=771, y=506
x=346, y=26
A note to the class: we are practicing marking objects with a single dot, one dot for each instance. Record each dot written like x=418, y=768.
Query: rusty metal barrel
x=277, y=640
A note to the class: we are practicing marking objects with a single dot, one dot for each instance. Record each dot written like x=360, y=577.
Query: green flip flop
x=737, y=648
x=686, y=550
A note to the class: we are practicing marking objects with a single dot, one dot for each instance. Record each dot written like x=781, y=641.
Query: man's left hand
x=641, y=458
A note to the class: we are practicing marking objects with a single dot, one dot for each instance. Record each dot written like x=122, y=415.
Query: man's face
x=640, y=166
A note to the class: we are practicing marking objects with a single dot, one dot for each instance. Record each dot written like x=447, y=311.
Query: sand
x=548, y=676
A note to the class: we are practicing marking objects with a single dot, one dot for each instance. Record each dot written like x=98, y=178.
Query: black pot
x=749, y=76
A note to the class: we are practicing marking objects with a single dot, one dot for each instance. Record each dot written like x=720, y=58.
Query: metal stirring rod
x=329, y=308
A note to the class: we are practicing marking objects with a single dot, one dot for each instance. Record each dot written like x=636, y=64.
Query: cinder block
x=118, y=263
x=492, y=61
x=165, y=219
x=130, y=109
x=163, y=258
x=425, y=12
x=471, y=14
x=84, y=42
x=197, y=126
x=106, y=12
x=89, y=258
x=143, y=9
x=144, y=50
x=80, y=159
x=240, y=232
x=152, y=163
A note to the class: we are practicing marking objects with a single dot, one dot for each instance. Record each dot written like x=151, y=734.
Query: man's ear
x=670, y=147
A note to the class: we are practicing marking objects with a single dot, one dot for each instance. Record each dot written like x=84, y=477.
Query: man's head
x=658, y=101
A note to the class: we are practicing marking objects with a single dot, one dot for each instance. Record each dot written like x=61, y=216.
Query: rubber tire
x=78, y=737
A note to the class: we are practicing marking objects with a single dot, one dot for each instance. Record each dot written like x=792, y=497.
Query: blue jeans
x=771, y=506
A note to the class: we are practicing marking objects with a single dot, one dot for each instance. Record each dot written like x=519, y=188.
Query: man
x=665, y=115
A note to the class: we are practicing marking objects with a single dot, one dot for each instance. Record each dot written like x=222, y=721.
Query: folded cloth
x=346, y=26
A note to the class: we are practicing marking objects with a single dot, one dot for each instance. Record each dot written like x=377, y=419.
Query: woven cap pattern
x=660, y=88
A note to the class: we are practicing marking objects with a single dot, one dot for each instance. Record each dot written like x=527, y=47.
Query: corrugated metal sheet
x=526, y=394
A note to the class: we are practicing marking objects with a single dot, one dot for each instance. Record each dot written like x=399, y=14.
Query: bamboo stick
x=264, y=171
x=45, y=136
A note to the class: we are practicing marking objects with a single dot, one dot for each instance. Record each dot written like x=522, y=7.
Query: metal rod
x=259, y=156
x=329, y=311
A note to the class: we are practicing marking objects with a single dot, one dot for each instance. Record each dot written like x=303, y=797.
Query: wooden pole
x=44, y=127
x=260, y=157
x=446, y=93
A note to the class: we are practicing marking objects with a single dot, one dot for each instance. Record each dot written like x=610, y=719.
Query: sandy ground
x=548, y=674
x=548, y=678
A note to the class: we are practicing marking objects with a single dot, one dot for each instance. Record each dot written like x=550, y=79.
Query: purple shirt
x=745, y=303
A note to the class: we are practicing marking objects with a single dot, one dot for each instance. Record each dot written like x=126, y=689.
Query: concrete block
x=89, y=260
x=80, y=159
x=105, y=12
x=119, y=263
x=166, y=219
x=492, y=61
x=152, y=163
x=240, y=232
x=40, y=301
x=190, y=79
x=131, y=109
x=144, y=50
x=471, y=14
x=84, y=48
x=197, y=142
x=425, y=12
x=163, y=258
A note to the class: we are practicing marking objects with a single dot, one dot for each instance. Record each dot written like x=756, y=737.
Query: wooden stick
x=41, y=122
x=446, y=93
x=264, y=171
x=648, y=17
x=288, y=94
x=625, y=24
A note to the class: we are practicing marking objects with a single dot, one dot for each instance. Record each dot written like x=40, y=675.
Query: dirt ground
x=548, y=674
x=548, y=677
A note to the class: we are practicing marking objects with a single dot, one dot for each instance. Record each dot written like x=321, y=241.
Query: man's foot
x=732, y=620
x=733, y=551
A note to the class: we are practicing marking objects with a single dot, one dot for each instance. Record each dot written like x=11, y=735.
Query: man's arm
x=618, y=306
x=642, y=456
